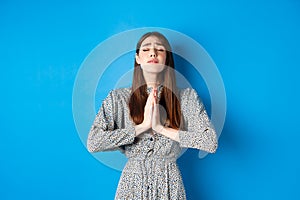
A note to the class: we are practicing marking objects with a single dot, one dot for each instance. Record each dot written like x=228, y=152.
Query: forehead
x=152, y=40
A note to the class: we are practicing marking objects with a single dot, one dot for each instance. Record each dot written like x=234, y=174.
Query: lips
x=153, y=61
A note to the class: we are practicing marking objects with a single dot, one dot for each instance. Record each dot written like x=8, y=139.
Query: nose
x=152, y=53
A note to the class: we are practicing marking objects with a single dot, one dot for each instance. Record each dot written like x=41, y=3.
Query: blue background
x=254, y=44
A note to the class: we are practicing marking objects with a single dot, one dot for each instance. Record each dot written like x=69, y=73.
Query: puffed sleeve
x=104, y=134
x=198, y=131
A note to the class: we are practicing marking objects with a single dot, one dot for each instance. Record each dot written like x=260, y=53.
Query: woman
x=150, y=123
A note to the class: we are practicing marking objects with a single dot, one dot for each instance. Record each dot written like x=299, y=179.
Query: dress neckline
x=159, y=90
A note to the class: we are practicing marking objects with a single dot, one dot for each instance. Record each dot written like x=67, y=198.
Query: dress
x=151, y=171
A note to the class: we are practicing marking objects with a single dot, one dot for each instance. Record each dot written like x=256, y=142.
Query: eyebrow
x=148, y=44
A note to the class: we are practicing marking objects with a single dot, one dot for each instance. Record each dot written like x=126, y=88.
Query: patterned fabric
x=151, y=171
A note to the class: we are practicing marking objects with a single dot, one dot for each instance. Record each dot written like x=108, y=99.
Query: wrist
x=170, y=133
x=158, y=128
x=140, y=128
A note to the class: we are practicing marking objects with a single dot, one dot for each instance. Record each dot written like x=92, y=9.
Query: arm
x=199, y=132
x=104, y=135
x=171, y=133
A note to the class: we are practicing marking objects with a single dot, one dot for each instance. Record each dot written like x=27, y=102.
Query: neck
x=153, y=80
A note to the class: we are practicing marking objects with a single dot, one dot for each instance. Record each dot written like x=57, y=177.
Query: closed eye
x=147, y=49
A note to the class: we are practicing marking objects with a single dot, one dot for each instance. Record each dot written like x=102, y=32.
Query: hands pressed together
x=151, y=113
x=152, y=119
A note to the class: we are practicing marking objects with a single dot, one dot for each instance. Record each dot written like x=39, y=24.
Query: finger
x=156, y=116
x=156, y=110
x=151, y=112
x=149, y=101
x=155, y=93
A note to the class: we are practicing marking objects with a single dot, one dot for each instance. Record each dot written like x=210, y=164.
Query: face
x=152, y=55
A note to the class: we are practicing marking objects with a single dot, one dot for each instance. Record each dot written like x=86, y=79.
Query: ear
x=137, y=59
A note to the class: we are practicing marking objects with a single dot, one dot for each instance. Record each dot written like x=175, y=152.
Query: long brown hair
x=169, y=93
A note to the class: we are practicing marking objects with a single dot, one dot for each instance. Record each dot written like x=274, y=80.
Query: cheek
x=139, y=58
x=142, y=56
x=164, y=58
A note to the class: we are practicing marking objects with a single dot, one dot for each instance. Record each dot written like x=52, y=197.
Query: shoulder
x=189, y=98
x=119, y=94
x=120, y=91
x=187, y=93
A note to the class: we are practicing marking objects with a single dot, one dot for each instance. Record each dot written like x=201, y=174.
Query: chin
x=153, y=68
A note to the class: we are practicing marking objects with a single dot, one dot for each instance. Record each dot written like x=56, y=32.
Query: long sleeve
x=198, y=131
x=105, y=135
